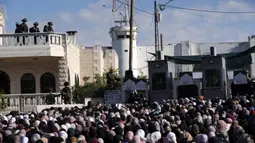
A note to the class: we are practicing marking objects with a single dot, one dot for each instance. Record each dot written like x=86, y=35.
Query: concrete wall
x=17, y=67
x=90, y=62
x=73, y=61
x=110, y=58
x=96, y=60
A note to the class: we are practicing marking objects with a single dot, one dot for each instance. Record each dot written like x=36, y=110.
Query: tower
x=120, y=34
x=2, y=22
x=2, y=19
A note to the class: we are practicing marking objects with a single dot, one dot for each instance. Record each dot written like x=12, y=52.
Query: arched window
x=5, y=86
x=27, y=83
x=48, y=83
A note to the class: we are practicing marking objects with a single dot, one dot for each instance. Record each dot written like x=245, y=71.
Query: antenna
x=114, y=11
x=123, y=8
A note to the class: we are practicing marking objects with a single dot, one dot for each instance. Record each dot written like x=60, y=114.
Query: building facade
x=143, y=54
x=34, y=63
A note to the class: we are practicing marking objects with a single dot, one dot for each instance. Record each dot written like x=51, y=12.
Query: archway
x=48, y=81
x=5, y=86
x=27, y=83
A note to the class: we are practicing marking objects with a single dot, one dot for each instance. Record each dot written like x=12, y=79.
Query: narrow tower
x=120, y=34
x=2, y=21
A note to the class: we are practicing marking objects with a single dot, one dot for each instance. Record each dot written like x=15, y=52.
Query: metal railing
x=24, y=102
x=28, y=39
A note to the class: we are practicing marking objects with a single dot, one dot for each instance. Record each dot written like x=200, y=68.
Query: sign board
x=129, y=85
x=141, y=85
x=240, y=77
x=112, y=96
x=186, y=78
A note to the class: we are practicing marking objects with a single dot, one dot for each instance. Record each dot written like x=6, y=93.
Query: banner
x=141, y=85
x=112, y=96
x=240, y=77
x=186, y=78
x=129, y=85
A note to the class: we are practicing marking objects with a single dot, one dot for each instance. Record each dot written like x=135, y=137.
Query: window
x=48, y=83
x=159, y=81
x=27, y=83
x=121, y=36
x=213, y=78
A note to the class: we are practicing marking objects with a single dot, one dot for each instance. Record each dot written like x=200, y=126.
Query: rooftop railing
x=28, y=39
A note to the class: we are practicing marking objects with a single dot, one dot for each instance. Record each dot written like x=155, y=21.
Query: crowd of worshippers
x=184, y=120
x=23, y=28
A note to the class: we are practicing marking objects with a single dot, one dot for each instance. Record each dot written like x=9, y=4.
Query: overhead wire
x=136, y=8
x=211, y=11
x=143, y=10
x=141, y=5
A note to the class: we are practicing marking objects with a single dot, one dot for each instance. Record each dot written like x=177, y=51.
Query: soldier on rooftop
x=35, y=28
x=23, y=26
x=18, y=30
x=48, y=27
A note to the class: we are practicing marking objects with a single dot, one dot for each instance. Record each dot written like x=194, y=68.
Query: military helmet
x=24, y=20
x=66, y=83
x=50, y=23
x=36, y=24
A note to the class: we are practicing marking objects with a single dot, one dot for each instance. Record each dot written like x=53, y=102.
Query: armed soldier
x=66, y=93
x=24, y=29
x=35, y=29
x=18, y=30
x=112, y=79
x=23, y=26
x=48, y=28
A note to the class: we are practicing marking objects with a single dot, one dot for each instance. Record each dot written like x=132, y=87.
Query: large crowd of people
x=184, y=120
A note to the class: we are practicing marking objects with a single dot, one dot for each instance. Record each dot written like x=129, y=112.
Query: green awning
x=233, y=60
x=232, y=64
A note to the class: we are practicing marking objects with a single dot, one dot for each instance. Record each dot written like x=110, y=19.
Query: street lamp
x=162, y=7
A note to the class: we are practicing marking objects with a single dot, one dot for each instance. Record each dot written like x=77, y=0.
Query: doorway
x=5, y=86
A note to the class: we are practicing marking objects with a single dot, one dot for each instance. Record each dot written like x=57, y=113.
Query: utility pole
x=131, y=35
x=161, y=42
x=156, y=22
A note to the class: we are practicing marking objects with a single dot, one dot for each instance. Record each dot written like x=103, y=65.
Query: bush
x=3, y=102
x=95, y=89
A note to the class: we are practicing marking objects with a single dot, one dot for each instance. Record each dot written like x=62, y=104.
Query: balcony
x=31, y=45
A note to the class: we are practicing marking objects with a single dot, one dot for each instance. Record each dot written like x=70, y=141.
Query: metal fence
x=24, y=102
